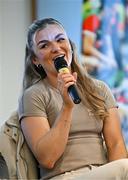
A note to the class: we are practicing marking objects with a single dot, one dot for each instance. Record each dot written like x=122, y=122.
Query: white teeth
x=58, y=57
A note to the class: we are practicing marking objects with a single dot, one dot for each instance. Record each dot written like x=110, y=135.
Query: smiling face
x=50, y=43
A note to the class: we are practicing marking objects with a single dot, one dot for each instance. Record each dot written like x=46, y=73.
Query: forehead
x=49, y=32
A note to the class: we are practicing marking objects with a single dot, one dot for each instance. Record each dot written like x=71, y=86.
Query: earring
x=39, y=66
x=40, y=70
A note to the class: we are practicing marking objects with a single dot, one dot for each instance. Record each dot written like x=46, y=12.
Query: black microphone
x=62, y=66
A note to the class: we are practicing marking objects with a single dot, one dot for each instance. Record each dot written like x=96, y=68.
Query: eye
x=60, y=39
x=42, y=46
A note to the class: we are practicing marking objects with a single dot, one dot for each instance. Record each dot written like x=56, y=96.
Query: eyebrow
x=44, y=41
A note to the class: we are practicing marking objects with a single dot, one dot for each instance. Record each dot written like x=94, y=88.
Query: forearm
x=117, y=151
x=51, y=146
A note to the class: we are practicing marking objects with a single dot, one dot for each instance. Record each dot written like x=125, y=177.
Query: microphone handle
x=74, y=94
x=72, y=89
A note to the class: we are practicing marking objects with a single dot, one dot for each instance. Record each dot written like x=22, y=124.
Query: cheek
x=40, y=56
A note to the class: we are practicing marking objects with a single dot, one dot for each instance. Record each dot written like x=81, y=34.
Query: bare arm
x=48, y=143
x=113, y=136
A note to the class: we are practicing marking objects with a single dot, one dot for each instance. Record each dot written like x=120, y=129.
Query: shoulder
x=99, y=83
x=36, y=90
x=105, y=91
x=36, y=94
x=37, y=87
x=33, y=100
x=102, y=86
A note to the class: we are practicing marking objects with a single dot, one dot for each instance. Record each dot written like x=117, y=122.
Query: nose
x=55, y=47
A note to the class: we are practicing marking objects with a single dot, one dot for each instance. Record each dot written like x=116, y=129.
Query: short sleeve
x=31, y=103
x=107, y=95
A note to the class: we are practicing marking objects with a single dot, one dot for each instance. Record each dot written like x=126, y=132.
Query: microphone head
x=60, y=62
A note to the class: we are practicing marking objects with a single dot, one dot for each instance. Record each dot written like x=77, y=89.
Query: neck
x=52, y=80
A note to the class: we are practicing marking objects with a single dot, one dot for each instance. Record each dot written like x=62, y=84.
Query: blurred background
x=99, y=29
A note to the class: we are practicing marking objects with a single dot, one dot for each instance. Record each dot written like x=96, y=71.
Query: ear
x=35, y=61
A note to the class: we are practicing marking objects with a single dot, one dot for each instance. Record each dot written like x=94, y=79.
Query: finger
x=69, y=84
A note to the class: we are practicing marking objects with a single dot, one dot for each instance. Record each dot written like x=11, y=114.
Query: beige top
x=85, y=143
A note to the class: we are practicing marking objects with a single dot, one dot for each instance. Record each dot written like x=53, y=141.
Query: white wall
x=15, y=17
x=0, y=60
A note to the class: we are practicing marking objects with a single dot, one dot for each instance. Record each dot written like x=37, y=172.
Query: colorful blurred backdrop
x=104, y=48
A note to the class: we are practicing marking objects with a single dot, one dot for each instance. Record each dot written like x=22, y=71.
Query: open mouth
x=59, y=56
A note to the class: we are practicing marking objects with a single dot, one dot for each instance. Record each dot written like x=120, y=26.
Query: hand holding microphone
x=62, y=67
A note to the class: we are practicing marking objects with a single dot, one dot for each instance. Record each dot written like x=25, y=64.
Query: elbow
x=47, y=159
x=47, y=163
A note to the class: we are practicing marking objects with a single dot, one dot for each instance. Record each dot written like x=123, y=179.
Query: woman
x=63, y=136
